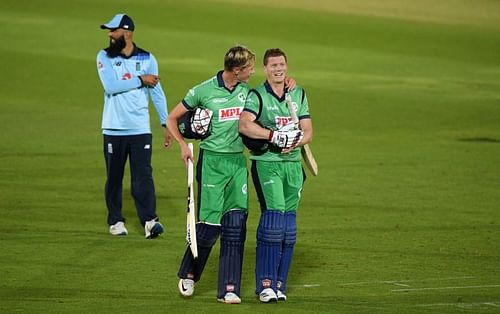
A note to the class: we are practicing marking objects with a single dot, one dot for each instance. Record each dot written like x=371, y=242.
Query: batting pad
x=206, y=236
x=287, y=249
x=233, y=235
x=270, y=235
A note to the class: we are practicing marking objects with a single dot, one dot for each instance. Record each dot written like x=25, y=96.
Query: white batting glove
x=286, y=139
x=200, y=122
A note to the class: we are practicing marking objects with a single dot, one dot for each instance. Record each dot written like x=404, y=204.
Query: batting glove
x=200, y=121
x=286, y=139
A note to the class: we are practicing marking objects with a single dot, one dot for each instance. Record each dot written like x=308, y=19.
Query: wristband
x=271, y=133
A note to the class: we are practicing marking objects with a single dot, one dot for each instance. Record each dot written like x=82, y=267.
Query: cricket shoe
x=153, y=229
x=268, y=295
x=230, y=298
x=186, y=287
x=118, y=229
x=281, y=296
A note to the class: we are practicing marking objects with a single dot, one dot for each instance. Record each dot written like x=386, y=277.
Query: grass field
x=404, y=216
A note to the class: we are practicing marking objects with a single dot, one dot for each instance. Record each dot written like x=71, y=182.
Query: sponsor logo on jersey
x=118, y=63
x=100, y=65
x=220, y=100
x=282, y=121
x=126, y=76
x=228, y=114
x=244, y=189
x=137, y=66
x=273, y=108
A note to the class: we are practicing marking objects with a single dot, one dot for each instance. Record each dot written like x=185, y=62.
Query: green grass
x=403, y=217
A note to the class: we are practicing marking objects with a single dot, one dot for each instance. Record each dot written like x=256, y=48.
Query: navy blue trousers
x=138, y=149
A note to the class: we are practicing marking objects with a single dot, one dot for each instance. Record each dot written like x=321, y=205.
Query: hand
x=149, y=80
x=286, y=139
x=168, y=138
x=186, y=154
x=290, y=83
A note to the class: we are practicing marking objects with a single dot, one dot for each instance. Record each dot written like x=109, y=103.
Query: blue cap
x=119, y=21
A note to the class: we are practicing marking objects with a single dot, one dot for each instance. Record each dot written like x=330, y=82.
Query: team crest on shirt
x=228, y=114
x=137, y=66
x=242, y=97
x=126, y=76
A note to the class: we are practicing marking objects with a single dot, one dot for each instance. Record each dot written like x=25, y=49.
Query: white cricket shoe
x=186, y=287
x=268, y=295
x=118, y=229
x=152, y=229
x=281, y=296
x=230, y=298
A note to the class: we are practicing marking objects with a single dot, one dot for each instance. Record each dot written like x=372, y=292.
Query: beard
x=115, y=48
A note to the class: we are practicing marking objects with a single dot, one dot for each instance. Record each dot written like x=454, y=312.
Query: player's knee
x=233, y=226
x=271, y=226
x=207, y=235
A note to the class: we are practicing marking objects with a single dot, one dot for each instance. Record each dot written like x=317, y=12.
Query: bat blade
x=191, y=215
x=307, y=154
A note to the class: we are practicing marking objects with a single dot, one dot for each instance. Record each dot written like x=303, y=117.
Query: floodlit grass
x=403, y=217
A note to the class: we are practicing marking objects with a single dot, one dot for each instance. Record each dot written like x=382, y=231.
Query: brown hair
x=274, y=52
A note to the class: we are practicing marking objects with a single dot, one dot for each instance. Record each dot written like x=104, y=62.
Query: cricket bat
x=307, y=155
x=191, y=214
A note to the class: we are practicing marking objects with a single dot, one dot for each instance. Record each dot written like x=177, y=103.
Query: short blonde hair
x=238, y=56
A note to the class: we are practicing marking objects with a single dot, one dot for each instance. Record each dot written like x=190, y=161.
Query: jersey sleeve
x=303, y=111
x=157, y=93
x=192, y=98
x=110, y=82
x=252, y=103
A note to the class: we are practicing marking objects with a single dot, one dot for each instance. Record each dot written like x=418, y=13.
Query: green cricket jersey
x=226, y=106
x=272, y=113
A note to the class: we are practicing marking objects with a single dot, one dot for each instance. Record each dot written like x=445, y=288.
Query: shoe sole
x=229, y=302
x=155, y=231
x=272, y=300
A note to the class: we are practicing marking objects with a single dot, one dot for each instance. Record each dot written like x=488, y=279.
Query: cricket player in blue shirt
x=129, y=76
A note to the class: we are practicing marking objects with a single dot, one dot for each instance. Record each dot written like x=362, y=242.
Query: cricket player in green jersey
x=276, y=171
x=221, y=174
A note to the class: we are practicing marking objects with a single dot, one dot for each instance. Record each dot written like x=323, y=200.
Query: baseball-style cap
x=120, y=21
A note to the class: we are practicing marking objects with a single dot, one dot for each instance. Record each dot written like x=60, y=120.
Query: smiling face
x=276, y=69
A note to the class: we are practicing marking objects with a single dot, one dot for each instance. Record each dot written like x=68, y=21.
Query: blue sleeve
x=157, y=94
x=111, y=83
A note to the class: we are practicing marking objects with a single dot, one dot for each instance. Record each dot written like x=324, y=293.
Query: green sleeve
x=304, y=105
x=192, y=98
x=252, y=103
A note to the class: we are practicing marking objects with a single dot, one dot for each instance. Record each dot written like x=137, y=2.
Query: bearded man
x=129, y=76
